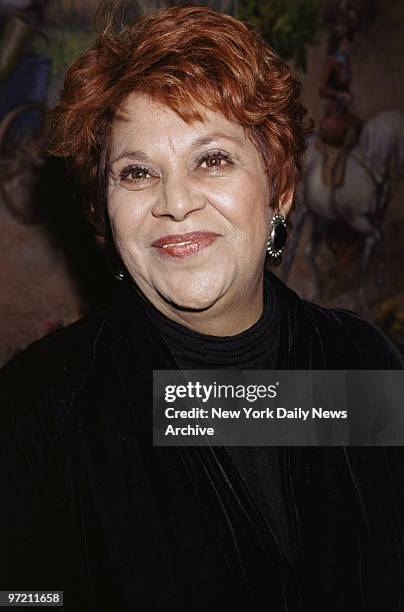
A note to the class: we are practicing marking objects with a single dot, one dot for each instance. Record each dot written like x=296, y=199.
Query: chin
x=186, y=301
x=194, y=290
x=195, y=294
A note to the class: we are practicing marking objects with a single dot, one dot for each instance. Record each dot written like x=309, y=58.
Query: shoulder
x=337, y=338
x=349, y=334
x=57, y=363
x=37, y=391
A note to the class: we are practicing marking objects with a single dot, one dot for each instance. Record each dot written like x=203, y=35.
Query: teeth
x=174, y=244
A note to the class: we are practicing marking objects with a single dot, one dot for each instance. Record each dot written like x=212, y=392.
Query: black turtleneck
x=256, y=348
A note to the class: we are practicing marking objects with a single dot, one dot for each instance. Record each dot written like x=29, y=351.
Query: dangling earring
x=278, y=234
x=119, y=274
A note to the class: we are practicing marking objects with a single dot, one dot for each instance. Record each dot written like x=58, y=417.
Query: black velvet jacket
x=90, y=507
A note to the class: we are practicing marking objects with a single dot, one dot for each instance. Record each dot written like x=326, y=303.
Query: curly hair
x=188, y=58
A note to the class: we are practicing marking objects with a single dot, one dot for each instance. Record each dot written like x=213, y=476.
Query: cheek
x=126, y=215
x=246, y=207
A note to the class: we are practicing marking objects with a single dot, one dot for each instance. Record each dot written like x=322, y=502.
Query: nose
x=178, y=198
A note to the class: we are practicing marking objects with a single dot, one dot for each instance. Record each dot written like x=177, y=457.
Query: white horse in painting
x=360, y=202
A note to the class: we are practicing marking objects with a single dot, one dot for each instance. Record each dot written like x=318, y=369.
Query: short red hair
x=185, y=57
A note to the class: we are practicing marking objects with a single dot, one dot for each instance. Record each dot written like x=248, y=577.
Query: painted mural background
x=51, y=271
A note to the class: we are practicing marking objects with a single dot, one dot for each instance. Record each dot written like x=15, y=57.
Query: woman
x=187, y=132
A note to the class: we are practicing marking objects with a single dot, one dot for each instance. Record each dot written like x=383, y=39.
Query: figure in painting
x=348, y=170
x=339, y=127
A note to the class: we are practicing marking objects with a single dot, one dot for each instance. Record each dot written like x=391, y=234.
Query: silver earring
x=119, y=274
x=278, y=234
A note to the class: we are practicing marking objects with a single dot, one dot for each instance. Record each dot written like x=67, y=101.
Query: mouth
x=183, y=245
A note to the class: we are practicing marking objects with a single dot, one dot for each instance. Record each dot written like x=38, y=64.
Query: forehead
x=146, y=122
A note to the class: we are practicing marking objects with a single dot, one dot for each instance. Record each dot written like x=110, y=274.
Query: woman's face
x=189, y=206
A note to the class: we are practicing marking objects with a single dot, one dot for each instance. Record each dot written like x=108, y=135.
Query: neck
x=222, y=318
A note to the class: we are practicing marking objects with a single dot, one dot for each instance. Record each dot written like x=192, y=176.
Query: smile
x=184, y=245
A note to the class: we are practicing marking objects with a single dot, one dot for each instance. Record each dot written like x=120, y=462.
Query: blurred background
x=346, y=246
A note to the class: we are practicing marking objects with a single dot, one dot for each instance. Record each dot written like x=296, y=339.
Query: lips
x=182, y=245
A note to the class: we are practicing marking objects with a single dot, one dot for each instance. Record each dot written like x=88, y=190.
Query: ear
x=285, y=202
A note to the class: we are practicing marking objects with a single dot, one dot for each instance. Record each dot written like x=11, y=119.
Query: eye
x=135, y=176
x=215, y=160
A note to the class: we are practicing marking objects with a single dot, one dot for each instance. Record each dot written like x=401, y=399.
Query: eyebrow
x=198, y=142
x=139, y=155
